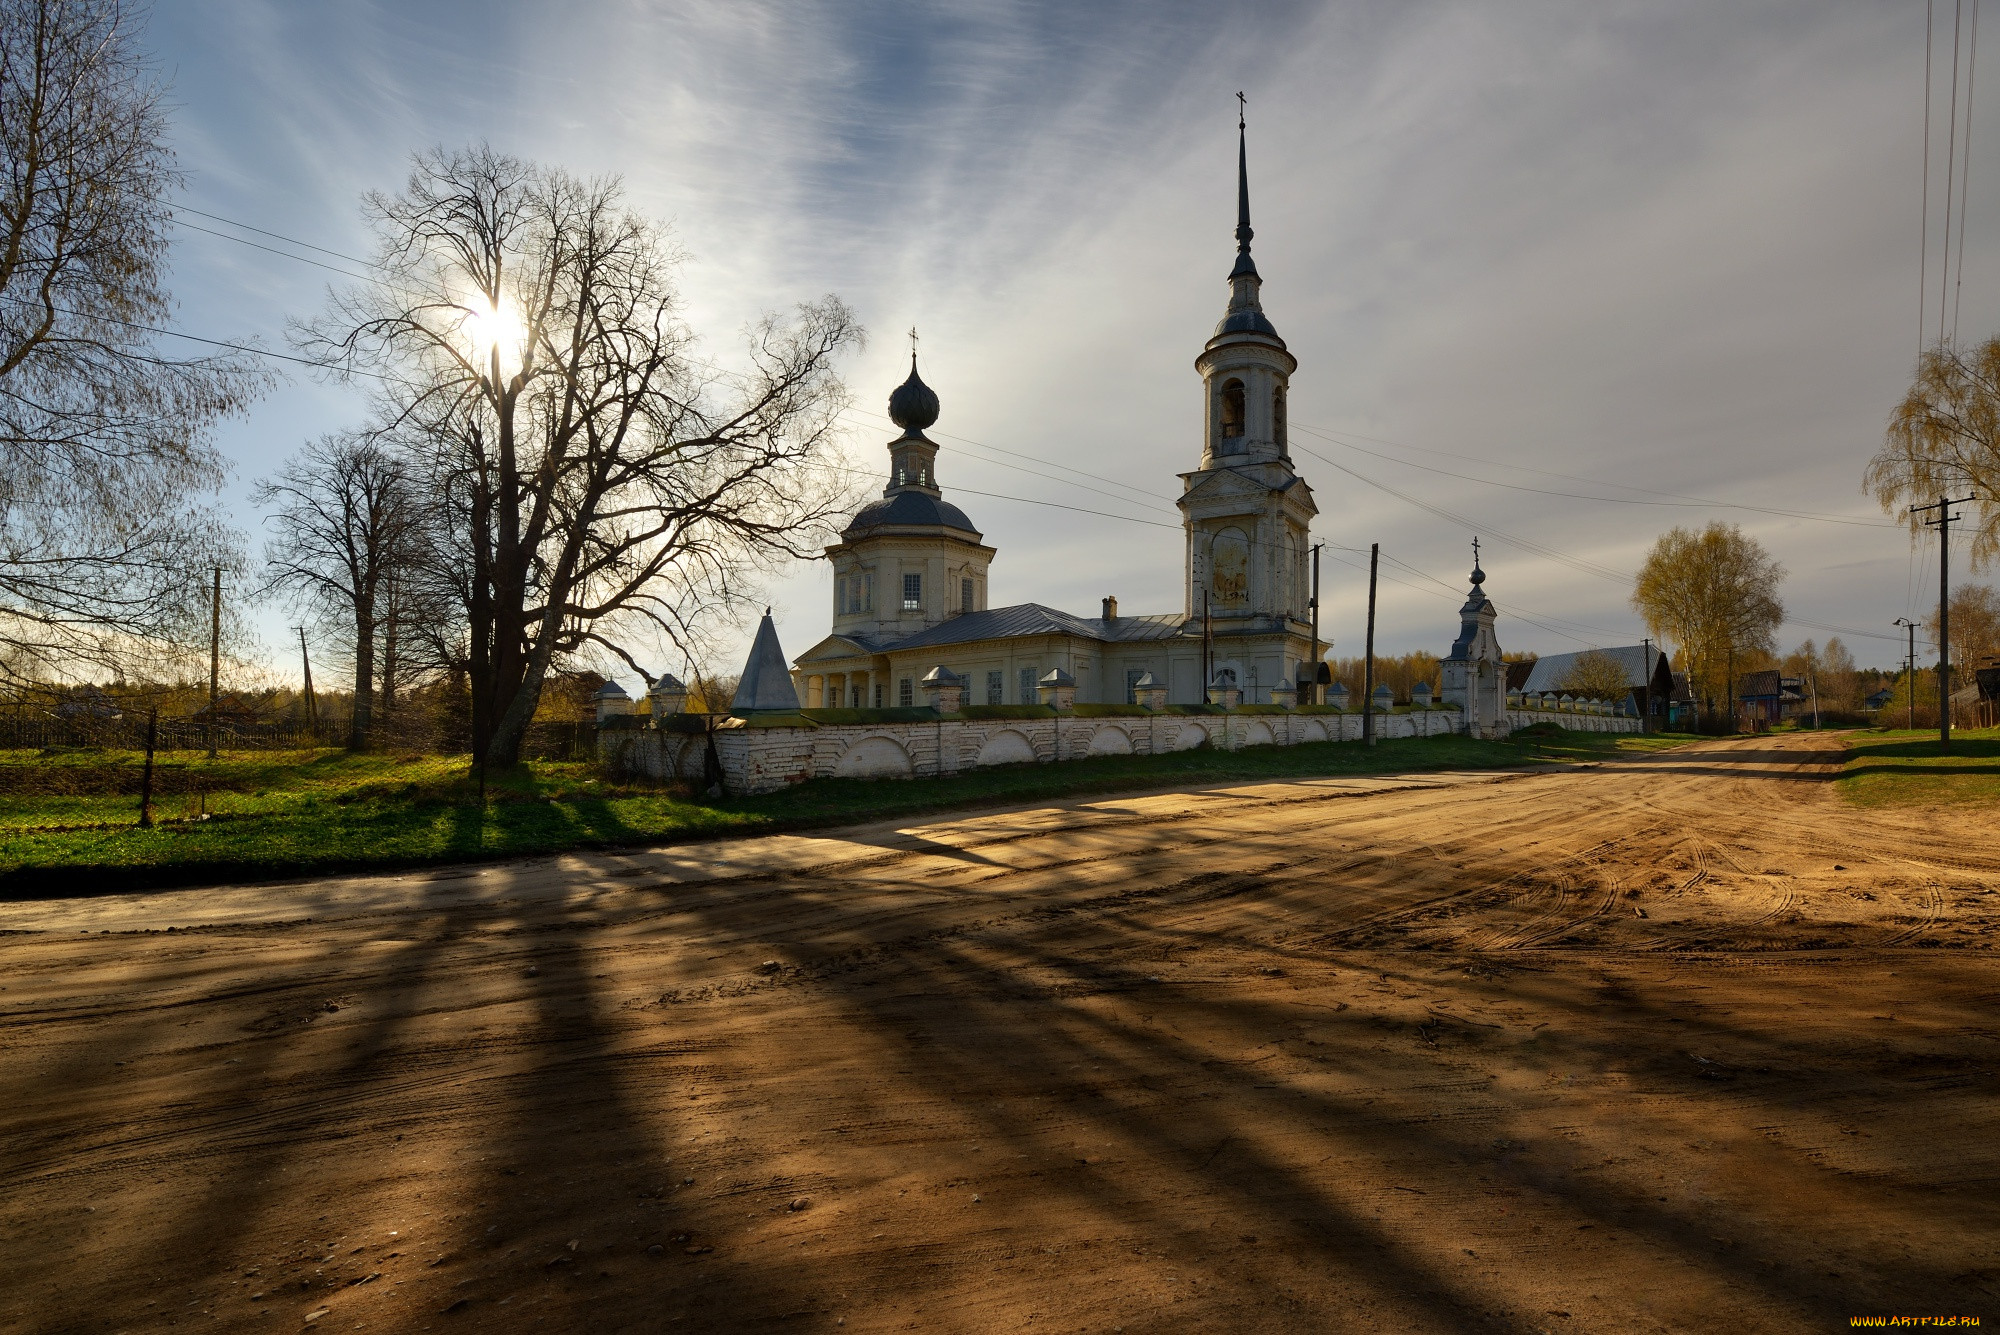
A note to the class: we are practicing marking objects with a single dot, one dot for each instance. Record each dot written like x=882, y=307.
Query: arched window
x=1278, y=416
x=1232, y=408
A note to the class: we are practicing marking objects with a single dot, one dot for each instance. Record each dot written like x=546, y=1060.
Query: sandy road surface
x=1677, y=1043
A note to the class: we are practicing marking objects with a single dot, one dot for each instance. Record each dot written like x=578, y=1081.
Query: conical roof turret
x=766, y=685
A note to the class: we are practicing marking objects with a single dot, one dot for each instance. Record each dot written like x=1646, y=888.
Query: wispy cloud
x=1668, y=247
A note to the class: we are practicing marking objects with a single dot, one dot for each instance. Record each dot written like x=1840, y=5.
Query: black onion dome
x=908, y=509
x=1478, y=575
x=914, y=405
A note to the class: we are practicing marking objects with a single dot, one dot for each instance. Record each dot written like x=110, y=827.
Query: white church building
x=911, y=572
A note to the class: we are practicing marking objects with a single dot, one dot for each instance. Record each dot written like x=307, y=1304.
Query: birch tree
x=105, y=541
x=1715, y=594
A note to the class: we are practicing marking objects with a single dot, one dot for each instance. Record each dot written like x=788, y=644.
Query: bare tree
x=343, y=527
x=102, y=435
x=1943, y=438
x=597, y=482
x=1715, y=594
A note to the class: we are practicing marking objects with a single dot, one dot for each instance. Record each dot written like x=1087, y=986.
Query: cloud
x=1660, y=248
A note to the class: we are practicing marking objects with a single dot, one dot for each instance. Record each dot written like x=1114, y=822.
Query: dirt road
x=1670, y=1044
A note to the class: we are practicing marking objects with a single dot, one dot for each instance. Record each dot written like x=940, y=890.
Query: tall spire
x=1244, y=264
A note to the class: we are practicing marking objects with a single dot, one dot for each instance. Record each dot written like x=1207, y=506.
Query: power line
x=1965, y=170
x=278, y=236
x=1950, y=161
x=1924, y=236
x=1677, y=499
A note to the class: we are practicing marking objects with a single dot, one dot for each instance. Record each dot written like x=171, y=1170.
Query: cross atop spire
x=1244, y=264
x=913, y=347
x=1478, y=575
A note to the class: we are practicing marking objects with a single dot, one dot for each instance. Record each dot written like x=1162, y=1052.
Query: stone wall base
x=763, y=760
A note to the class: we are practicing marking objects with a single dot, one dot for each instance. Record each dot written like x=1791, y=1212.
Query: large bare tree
x=343, y=529
x=103, y=450
x=1944, y=440
x=600, y=485
x=1715, y=594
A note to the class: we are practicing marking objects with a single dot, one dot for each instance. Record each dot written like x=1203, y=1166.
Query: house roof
x=1764, y=683
x=1639, y=662
x=1003, y=623
x=1518, y=674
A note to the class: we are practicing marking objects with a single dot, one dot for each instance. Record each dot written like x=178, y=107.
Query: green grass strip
x=67, y=822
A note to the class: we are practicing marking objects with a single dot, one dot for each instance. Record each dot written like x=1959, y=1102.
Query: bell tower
x=1246, y=513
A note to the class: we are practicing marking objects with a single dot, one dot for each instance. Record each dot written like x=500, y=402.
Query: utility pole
x=1207, y=648
x=305, y=659
x=1942, y=524
x=1646, y=667
x=215, y=665
x=1368, y=672
x=1910, y=671
x=1315, y=603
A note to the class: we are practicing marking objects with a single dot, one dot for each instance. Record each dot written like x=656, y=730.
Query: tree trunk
x=363, y=718
x=389, y=654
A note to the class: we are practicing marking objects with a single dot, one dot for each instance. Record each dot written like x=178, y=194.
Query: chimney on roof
x=1110, y=609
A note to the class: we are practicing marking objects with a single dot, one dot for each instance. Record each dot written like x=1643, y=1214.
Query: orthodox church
x=911, y=571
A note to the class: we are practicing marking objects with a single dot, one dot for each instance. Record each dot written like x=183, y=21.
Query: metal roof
x=1551, y=670
x=1005, y=623
x=908, y=509
x=767, y=682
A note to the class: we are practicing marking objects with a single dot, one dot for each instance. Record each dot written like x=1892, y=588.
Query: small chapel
x=911, y=570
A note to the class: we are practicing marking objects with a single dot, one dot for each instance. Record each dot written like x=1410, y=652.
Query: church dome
x=913, y=405
x=908, y=509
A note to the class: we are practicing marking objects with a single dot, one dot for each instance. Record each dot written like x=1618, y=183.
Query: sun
x=495, y=326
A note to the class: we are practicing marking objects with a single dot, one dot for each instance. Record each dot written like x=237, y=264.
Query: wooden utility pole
x=1943, y=522
x=1207, y=647
x=1316, y=699
x=215, y=665
x=1368, y=672
x=1910, y=671
x=305, y=660
x=1646, y=668
x=146, y=779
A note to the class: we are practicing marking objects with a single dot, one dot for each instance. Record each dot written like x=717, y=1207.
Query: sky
x=1558, y=276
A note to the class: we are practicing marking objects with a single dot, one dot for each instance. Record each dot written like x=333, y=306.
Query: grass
x=68, y=821
x=1902, y=768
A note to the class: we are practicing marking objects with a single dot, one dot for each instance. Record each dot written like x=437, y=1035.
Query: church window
x=1232, y=408
x=994, y=682
x=906, y=693
x=913, y=593
x=867, y=603
x=1132, y=676
x=878, y=695
x=1027, y=686
x=1278, y=416
x=965, y=595
x=840, y=597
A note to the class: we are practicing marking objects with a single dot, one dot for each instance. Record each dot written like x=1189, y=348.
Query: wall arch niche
x=1229, y=567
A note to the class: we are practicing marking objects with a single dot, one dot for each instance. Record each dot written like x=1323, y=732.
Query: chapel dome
x=908, y=509
x=913, y=405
